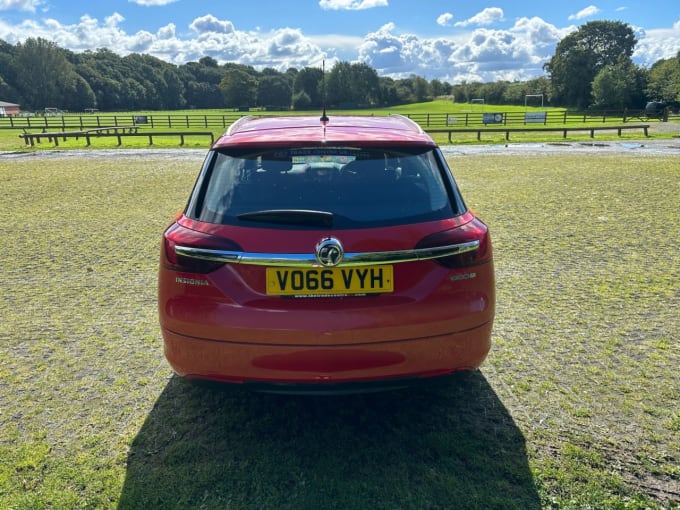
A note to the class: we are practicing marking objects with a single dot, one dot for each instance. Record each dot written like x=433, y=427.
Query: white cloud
x=589, y=11
x=342, y=43
x=400, y=55
x=657, y=43
x=444, y=19
x=167, y=32
x=210, y=23
x=20, y=5
x=539, y=33
x=350, y=5
x=113, y=20
x=488, y=16
x=480, y=55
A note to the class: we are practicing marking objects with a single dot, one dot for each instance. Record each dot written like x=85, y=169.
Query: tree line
x=591, y=68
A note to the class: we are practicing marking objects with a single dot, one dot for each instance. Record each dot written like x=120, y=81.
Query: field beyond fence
x=491, y=117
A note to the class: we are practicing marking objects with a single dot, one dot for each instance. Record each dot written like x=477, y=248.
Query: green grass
x=576, y=406
x=10, y=141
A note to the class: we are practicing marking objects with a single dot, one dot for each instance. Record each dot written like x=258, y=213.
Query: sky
x=450, y=40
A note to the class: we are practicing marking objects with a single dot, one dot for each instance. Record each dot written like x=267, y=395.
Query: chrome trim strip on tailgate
x=309, y=259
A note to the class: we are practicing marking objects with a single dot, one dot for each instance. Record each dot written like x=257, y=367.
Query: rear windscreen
x=358, y=187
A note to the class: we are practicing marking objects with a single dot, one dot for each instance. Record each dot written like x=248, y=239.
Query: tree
x=8, y=92
x=494, y=93
x=467, y=91
x=301, y=101
x=421, y=89
x=80, y=96
x=439, y=89
x=174, y=98
x=352, y=85
x=201, y=82
x=619, y=86
x=105, y=73
x=208, y=62
x=388, y=91
x=339, y=85
x=239, y=88
x=43, y=73
x=308, y=83
x=366, y=83
x=582, y=54
x=273, y=90
x=664, y=80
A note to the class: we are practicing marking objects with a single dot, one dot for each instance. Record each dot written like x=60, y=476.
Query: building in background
x=9, y=109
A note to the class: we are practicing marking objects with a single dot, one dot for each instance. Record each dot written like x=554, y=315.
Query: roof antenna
x=324, y=118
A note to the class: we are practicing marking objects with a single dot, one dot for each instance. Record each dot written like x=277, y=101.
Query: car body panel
x=222, y=322
x=296, y=131
x=422, y=357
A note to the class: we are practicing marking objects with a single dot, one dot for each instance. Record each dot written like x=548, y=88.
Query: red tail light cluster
x=182, y=236
x=475, y=230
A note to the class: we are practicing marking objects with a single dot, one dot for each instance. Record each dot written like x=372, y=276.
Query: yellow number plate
x=320, y=281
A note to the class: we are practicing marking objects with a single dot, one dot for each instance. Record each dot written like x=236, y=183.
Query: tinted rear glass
x=356, y=187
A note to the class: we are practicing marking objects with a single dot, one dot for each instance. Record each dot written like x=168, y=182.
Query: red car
x=325, y=255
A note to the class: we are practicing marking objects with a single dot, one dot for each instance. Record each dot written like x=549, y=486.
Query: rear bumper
x=327, y=369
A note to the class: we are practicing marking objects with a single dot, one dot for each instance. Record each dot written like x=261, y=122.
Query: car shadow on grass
x=447, y=445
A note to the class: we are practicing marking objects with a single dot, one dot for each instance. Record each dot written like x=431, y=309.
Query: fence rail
x=113, y=131
x=564, y=130
x=216, y=122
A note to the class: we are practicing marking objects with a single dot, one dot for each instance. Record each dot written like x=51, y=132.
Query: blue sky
x=452, y=40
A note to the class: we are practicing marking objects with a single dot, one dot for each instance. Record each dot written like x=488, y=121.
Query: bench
x=563, y=130
x=117, y=131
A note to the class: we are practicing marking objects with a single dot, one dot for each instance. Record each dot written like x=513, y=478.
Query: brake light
x=177, y=235
x=472, y=231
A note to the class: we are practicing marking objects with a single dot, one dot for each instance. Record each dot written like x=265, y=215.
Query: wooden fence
x=541, y=130
x=218, y=122
x=119, y=132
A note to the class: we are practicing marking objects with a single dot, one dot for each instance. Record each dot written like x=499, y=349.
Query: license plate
x=329, y=281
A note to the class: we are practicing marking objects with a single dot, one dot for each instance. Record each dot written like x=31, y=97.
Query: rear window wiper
x=304, y=217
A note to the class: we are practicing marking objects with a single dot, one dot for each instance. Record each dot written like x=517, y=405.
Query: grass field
x=216, y=121
x=575, y=408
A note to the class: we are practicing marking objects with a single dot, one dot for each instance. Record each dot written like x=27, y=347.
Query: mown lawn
x=430, y=115
x=576, y=406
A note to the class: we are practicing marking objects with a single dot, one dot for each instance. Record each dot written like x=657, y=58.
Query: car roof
x=296, y=131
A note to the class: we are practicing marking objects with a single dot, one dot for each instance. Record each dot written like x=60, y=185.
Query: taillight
x=177, y=235
x=475, y=230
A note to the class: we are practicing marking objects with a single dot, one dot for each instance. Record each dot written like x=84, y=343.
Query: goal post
x=532, y=96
